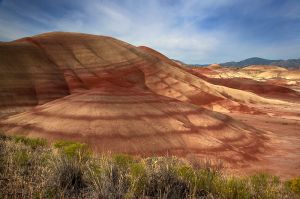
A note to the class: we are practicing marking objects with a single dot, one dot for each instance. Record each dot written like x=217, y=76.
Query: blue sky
x=194, y=31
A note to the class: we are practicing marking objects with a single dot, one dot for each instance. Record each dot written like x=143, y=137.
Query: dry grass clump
x=29, y=168
x=23, y=169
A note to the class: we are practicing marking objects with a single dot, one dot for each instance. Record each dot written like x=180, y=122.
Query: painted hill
x=264, y=68
x=118, y=97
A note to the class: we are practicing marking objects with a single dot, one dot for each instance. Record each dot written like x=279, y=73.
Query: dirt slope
x=139, y=123
x=27, y=77
x=212, y=93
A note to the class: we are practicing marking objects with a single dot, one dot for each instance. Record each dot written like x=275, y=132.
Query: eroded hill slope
x=118, y=97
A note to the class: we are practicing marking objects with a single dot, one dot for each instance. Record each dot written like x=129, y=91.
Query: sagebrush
x=31, y=168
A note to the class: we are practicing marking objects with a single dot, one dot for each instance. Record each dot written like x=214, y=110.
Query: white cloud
x=149, y=23
x=173, y=29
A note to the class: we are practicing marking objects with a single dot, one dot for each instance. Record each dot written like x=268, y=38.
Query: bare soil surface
x=283, y=156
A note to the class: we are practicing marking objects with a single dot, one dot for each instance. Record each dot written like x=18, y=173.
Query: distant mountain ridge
x=290, y=63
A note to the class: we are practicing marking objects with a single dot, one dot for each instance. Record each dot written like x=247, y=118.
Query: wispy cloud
x=193, y=31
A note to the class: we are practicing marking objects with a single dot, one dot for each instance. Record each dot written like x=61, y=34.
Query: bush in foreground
x=30, y=168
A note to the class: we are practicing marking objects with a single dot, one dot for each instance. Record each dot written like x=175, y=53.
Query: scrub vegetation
x=33, y=168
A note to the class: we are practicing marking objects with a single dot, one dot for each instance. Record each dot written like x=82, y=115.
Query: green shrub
x=264, y=185
x=114, y=182
x=32, y=142
x=294, y=185
x=71, y=149
x=122, y=160
x=68, y=176
x=206, y=179
x=138, y=179
x=164, y=181
x=21, y=158
x=233, y=188
x=187, y=173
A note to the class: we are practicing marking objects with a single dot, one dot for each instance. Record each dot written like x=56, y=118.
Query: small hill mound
x=264, y=67
x=214, y=66
x=138, y=123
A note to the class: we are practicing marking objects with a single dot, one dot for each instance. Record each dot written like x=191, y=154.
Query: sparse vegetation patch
x=31, y=168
